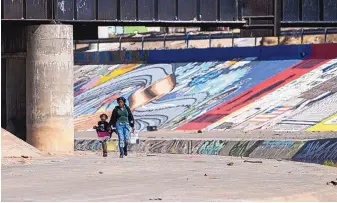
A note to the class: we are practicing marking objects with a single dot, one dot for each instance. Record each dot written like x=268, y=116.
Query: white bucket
x=134, y=138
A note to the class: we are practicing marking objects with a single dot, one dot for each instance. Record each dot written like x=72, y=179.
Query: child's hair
x=106, y=117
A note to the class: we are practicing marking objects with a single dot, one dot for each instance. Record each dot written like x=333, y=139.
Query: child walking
x=103, y=132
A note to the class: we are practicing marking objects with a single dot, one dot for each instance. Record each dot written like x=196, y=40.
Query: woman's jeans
x=123, y=132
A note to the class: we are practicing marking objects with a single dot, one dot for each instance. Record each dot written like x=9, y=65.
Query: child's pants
x=103, y=137
x=123, y=131
x=104, y=147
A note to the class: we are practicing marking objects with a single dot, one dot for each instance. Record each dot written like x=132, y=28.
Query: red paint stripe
x=324, y=51
x=254, y=93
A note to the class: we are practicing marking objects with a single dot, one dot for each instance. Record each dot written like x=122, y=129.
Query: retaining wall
x=197, y=55
x=277, y=88
x=314, y=151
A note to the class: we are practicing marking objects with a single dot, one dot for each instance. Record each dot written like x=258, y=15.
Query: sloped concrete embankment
x=11, y=146
x=320, y=151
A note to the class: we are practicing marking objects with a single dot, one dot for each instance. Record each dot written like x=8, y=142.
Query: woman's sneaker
x=125, y=151
x=121, y=156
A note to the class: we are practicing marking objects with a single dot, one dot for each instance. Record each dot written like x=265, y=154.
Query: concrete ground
x=89, y=177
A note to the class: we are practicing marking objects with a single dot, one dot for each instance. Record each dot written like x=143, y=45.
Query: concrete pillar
x=49, y=88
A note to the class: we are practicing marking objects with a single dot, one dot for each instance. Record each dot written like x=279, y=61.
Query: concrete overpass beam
x=49, y=88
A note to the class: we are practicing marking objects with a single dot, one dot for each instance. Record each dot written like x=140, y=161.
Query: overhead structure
x=262, y=16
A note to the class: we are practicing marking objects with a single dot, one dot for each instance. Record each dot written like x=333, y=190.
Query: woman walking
x=122, y=119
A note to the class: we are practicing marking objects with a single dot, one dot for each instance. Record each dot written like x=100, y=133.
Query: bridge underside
x=258, y=17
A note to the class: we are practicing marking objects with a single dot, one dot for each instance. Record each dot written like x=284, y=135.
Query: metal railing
x=189, y=37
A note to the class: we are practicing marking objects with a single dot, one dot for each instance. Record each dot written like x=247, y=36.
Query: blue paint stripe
x=282, y=52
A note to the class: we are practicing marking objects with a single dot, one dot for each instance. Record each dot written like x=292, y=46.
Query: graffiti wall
x=315, y=151
x=259, y=88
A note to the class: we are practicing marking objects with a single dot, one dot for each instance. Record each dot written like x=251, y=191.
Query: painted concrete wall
x=323, y=151
x=281, y=88
x=284, y=52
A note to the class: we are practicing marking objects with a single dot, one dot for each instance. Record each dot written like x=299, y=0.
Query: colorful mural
x=329, y=124
x=317, y=151
x=278, y=107
x=245, y=93
x=322, y=151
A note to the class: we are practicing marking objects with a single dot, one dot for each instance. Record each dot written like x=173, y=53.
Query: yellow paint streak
x=325, y=125
x=112, y=145
x=101, y=110
x=117, y=72
x=232, y=62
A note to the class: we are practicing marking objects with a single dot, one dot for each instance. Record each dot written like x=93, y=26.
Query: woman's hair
x=121, y=98
x=106, y=116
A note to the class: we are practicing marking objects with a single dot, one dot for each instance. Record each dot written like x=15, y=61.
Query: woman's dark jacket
x=114, y=117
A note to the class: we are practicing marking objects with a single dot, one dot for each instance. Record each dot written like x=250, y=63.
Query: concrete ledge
x=233, y=135
x=11, y=146
x=320, y=151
